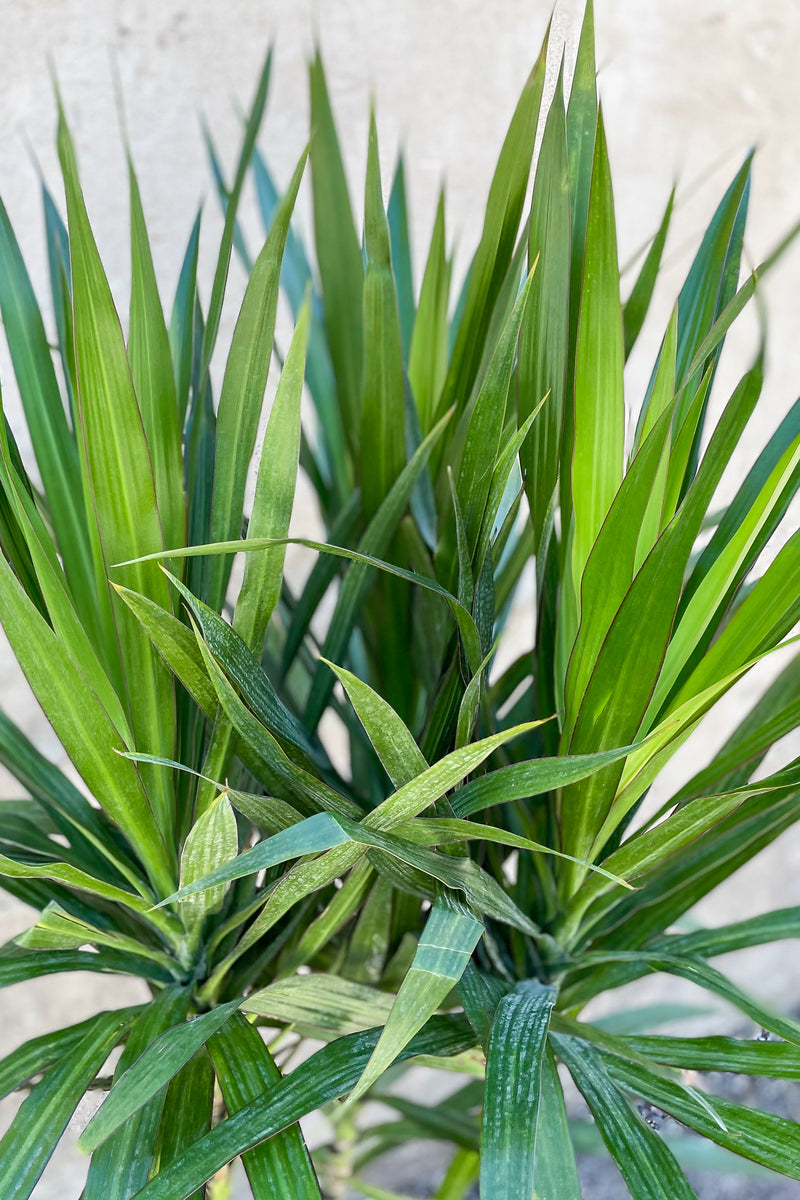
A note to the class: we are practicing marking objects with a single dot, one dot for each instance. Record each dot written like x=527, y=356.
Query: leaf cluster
x=359, y=811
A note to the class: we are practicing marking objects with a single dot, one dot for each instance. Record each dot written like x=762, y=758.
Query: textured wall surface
x=687, y=85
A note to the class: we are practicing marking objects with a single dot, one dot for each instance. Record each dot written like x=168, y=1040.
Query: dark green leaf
x=329, y=1073
x=121, y=1166
x=280, y=1168
x=36, y=1129
x=338, y=255
x=645, y=1162
x=513, y=1091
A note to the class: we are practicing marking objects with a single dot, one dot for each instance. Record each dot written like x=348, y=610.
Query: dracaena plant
x=490, y=862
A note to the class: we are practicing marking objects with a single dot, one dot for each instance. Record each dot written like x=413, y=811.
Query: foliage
x=489, y=863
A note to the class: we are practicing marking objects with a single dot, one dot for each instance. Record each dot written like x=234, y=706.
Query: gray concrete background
x=687, y=87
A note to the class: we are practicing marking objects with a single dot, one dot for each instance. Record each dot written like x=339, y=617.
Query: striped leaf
x=382, y=434
x=33, y=1134
x=243, y=388
x=445, y=946
x=514, y=1071
x=280, y=1168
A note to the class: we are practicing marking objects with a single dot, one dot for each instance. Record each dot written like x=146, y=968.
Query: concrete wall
x=687, y=88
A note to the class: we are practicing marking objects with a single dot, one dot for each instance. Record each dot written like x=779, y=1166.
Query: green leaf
x=480, y=995
x=499, y=516
x=177, y=646
x=445, y=946
x=311, y=836
x=243, y=667
x=368, y=949
x=581, y=135
x=627, y=667
x=265, y=756
x=526, y=779
x=35, y=1131
x=661, y=505
x=382, y=433
x=18, y=964
x=90, y=836
x=181, y=326
x=461, y=1175
x=266, y=812
x=427, y=359
x=433, y=831
x=327, y=1005
x=681, y=450
x=711, y=281
x=212, y=842
x=73, y=877
x=151, y=1071
x=648, y=1016
x=765, y=615
x=270, y=516
x=372, y=1192
x=463, y=618
x=324, y=831
x=40, y=1053
x=636, y=306
x=200, y=454
x=328, y=1073
x=183, y=1124
x=373, y=543
x=544, y=336
x=716, y=577
x=771, y=718
x=645, y=762
x=470, y=702
x=296, y=279
x=79, y=636
x=645, y=1162
x=482, y=443
x=555, y=1175
x=672, y=889
x=496, y=247
x=734, y=306
x=424, y=789
x=696, y=971
x=118, y=478
x=649, y=848
x=393, y=742
x=693, y=1153
x=599, y=400
x=59, y=929
x=53, y=443
x=322, y=575
x=61, y=289
x=280, y=1168
x=772, y=1141
x=121, y=1166
x=152, y=374
x=243, y=388
x=274, y=495
x=226, y=245
x=13, y=543
x=610, y=567
x=82, y=726
x=400, y=234
x=224, y=196
x=513, y=1091
x=448, y=1120
x=338, y=256
x=344, y=902
x=773, y=1060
